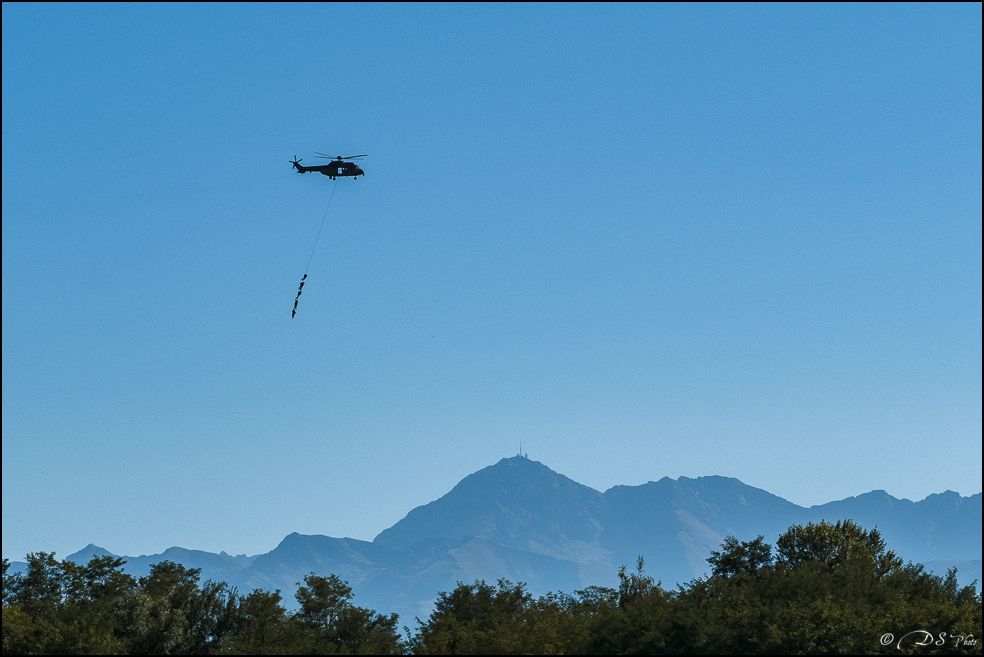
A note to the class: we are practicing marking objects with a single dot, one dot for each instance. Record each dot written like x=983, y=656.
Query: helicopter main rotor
x=340, y=157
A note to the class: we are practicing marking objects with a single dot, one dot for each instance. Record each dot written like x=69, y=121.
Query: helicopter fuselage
x=334, y=169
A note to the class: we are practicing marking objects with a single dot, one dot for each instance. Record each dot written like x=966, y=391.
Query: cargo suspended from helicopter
x=337, y=168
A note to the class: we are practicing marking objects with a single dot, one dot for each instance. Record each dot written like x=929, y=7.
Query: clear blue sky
x=645, y=241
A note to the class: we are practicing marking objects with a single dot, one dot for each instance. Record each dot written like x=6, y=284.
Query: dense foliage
x=826, y=589
x=58, y=607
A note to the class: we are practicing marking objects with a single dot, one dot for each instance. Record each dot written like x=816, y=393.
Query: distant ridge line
x=517, y=519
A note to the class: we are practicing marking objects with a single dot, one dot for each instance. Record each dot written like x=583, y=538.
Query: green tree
x=208, y=609
x=330, y=624
x=833, y=589
x=9, y=584
x=835, y=545
x=478, y=619
x=63, y=608
x=260, y=626
x=150, y=625
x=737, y=557
x=638, y=622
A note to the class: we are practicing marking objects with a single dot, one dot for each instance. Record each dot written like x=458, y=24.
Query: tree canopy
x=822, y=589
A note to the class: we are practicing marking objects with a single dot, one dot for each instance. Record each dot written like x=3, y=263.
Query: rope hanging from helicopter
x=313, y=248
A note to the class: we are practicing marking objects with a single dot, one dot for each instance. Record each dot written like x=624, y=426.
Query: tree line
x=822, y=589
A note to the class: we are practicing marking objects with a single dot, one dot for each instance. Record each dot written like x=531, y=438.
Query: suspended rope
x=304, y=278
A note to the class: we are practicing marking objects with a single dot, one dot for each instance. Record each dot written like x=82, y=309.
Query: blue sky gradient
x=644, y=240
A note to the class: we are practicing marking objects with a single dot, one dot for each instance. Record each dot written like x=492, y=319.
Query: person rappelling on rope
x=301, y=287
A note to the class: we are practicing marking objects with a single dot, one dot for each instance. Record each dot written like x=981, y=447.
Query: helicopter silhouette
x=337, y=168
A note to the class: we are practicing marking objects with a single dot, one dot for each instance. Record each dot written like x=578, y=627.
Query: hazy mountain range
x=520, y=520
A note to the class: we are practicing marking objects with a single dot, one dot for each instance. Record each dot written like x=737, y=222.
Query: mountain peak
x=518, y=502
x=521, y=461
x=86, y=554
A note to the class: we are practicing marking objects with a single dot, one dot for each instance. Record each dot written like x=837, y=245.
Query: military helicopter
x=337, y=168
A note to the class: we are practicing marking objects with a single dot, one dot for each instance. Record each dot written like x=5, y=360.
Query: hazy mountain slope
x=674, y=524
x=467, y=560
x=299, y=555
x=404, y=581
x=944, y=526
x=218, y=567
